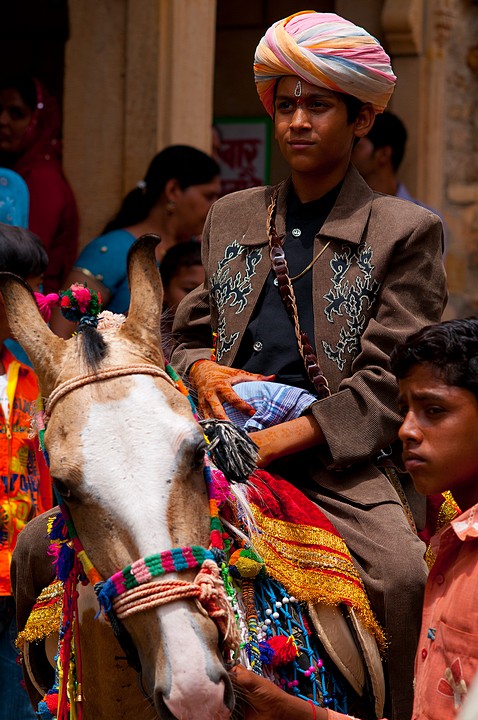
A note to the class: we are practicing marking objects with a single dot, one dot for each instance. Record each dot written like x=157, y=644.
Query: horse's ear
x=43, y=347
x=143, y=323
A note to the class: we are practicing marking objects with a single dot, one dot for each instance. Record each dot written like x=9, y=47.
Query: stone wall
x=460, y=204
x=138, y=77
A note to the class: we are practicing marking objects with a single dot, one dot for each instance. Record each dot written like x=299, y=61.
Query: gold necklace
x=314, y=260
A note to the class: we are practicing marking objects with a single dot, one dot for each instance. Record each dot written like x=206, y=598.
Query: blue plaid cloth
x=274, y=403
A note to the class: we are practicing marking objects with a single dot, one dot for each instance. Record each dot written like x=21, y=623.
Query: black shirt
x=269, y=345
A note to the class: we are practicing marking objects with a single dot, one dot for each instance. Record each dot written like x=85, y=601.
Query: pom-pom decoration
x=267, y=653
x=80, y=304
x=48, y=707
x=60, y=549
x=245, y=563
x=284, y=649
x=46, y=303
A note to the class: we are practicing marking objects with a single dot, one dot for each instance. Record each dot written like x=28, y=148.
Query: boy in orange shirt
x=25, y=485
x=437, y=371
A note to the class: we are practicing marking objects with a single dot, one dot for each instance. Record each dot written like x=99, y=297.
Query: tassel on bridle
x=231, y=449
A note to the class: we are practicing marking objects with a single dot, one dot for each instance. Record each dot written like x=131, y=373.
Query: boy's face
x=182, y=283
x=312, y=127
x=439, y=435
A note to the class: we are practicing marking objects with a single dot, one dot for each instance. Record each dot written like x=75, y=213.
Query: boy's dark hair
x=185, y=254
x=353, y=105
x=451, y=347
x=21, y=252
x=389, y=131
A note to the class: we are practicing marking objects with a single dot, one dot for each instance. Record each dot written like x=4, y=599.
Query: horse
x=127, y=456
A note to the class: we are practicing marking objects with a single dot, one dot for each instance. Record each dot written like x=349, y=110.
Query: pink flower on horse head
x=82, y=296
x=46, y=303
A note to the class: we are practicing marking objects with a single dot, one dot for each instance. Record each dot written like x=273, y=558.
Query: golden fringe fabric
x=447, y=512
x=313, y=565
x=45, y=617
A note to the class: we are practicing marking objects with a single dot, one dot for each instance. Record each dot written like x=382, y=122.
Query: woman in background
x=172, y=201
x=30, y=144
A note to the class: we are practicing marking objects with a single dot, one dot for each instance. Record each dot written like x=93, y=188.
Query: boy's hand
x=262, y=700
x=213, y=384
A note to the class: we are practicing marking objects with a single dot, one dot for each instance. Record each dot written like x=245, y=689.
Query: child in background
x=25, y=487
x=181, y=271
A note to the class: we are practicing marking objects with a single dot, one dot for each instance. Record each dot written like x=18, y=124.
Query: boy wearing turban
x=365, y=272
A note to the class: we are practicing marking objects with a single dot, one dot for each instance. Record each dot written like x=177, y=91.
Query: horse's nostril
x=206, y=701
x=161, y=708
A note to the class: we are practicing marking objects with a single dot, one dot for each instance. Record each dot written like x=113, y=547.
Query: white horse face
x=128, y=456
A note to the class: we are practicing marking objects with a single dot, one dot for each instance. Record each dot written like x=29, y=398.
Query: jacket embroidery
x=231, y=291
x=350, y=301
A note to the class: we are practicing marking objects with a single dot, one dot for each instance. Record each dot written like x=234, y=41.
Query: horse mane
x=93, y=347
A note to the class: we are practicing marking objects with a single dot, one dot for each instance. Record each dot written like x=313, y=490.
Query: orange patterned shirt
x=447, y=655
x=25, y=484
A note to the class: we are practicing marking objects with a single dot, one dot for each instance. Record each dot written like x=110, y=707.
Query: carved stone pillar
x=93, y=109
x=138, y=76
x=186, y=72
x=402, y=22
x=431, y=169
x=417, y=33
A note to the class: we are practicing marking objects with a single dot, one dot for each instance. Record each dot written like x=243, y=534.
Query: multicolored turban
x=325, y=50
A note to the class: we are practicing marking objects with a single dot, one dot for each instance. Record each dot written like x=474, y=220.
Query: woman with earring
x=30, y=145
x=172, y=201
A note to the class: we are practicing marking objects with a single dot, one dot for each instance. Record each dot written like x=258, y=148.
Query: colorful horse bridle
x=135, y=588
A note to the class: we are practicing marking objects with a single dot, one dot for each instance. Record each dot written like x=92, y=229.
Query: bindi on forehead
x=291, y=87
x=306, y=97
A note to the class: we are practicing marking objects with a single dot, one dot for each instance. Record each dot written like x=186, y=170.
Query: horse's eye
x=198, y=459
x=62, y=489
